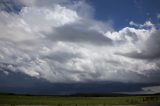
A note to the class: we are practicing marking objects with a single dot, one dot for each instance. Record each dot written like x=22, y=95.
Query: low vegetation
x=14, y=100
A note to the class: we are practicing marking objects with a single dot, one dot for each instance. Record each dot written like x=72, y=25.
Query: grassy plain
x=14, y=100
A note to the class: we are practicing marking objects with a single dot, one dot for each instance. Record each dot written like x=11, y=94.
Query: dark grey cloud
x=11, y=6
x=22, y=84
x=79, y=33
x=7, y=67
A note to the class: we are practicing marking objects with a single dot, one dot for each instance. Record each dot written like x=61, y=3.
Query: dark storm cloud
x=12, y=84
x=6, y=67
x=79, y=33
x=10, y=6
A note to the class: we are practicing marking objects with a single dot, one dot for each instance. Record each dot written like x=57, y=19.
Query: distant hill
x=89, y=95
x=112, y=95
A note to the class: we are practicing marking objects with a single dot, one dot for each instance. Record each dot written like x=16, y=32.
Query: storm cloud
x=61, y=41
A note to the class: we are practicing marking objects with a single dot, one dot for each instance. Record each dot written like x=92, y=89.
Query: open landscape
x=79, y=52
x=21, y=100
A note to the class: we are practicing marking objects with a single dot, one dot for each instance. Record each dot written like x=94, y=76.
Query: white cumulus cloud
x=57, y=41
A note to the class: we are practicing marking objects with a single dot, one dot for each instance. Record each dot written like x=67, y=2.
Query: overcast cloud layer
x=60, y=41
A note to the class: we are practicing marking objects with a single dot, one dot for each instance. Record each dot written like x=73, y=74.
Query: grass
x=14, y=100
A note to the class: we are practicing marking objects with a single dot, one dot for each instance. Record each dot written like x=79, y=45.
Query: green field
x=13, y=100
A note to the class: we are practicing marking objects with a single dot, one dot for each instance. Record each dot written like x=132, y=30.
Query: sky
x=59, y=47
